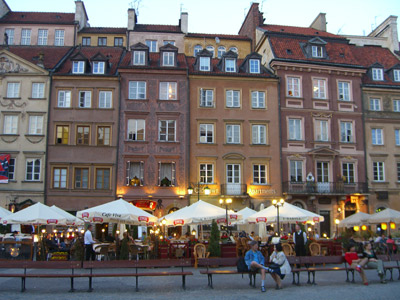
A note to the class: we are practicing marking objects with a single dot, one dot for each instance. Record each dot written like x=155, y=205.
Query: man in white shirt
x=88, y=240
x=299, y=240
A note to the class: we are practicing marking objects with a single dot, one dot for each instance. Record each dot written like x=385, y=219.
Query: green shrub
x=213, y=245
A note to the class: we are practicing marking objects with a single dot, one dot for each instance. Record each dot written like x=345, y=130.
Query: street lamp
x=337, y=226
x=206, y=190
x=226, y=202
x=278, y=204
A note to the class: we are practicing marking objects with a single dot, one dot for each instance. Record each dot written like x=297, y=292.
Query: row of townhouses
x=162, y=117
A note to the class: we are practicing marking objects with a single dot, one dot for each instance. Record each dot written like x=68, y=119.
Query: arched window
x=298, y=204
x=234, y=49
x=197, y=49
x=221, y=51
x=211, y=49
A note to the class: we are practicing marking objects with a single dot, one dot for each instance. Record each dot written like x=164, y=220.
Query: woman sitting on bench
x=354, y=261
x=279, y=266
x=371, y=261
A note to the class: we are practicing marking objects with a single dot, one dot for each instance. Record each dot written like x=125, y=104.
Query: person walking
x=88, y=240
x=255, y=262
x=299, y=240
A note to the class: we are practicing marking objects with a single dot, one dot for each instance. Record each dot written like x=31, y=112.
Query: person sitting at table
x=255, y=262
x=279, y=266
x=354, y=261
x=50, y=244
x=390, y=244
x=59, y=242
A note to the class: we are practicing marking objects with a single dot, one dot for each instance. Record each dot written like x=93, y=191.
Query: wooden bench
x=24, y=266
x=385, y=259
x=222, y=262
x=95, y=266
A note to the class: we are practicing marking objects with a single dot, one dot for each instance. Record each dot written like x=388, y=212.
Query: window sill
x=326, y=142
x=379, y=182
x=260, y=145
x=167, y=142
x=207, y=107
x=347, y=143
x=206, y=144
x=12, y=98
x=9, y=134
x=37, y=98
x=259, y=108
x=63, y=108
x=136, y=142
x=35, y=135
x=32, y=181
x=168, y=100
x=261, y=184
x=377, y=145
x=319, y=99
x=165, y=187
x=233, y=144
x=298, y=141
x=145, y=100
x=233, y=107
x=345, y=101
x=294, y=97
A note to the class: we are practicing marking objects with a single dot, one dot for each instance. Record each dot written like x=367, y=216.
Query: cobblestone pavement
x=330, y=285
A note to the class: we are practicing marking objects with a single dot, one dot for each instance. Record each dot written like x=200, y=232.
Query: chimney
x=132, y=19
x=80, y=14
x=320, y=22
x=4, y=9
x=388, y=30
x=184, y=22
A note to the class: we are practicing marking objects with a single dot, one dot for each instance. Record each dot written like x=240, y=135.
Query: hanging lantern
x=392, y=225
x=384, y=226
x=364, y=227
x=356, y=228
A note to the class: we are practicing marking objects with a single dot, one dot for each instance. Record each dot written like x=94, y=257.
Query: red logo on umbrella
x=150, y=224
x=221, y=221
x=261, y=219
x=52, y=221
x=143, y=219
x=316, y=219
x=85, y=215
x=179, y=222
x=233, y=217
x=97, y=219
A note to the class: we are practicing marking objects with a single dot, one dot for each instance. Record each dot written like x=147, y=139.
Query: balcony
x=234, y=189
x=326, y=188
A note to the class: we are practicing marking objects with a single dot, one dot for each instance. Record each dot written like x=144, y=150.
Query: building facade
x=102, y=36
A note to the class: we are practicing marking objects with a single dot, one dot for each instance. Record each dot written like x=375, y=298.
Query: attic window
x=282, y=29
x=98, y=67
x=396, y=75
x=254, y=66
x=377, y=74
x=78, y=67
x=204, y=64
x=139, y=58
x=317, y=51
x=288, y=51
x=316, y=32
x=168, y=59
x=230, y=65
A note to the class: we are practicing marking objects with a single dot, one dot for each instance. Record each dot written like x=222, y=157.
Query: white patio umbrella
x=71, y=219
x=262, y=229
x=4, y=213
x=288, y=213
x=355, y=220
x=37, y=214
x=385, y=216
x=117, y=211
x=245, y=212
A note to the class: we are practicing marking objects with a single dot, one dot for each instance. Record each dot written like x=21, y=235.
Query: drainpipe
x=364, y=144
x=46, y=173
x=280, y=131
x=118, y=126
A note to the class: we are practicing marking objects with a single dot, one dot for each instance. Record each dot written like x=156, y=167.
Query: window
x=10, y=36
x=42, y=37
x=344, y=90
x=98, y=67
x=118, y=41
x=259, y=174
x=206, y=173
x=10, y=124
x=257, y=99
x=36, y=125
x=105, y=99
x=103, y=179
x=233, y=134
x=166, y=130
x=377, y=74
x=59, y=38
x=138, y=58
x=233, y=177
x=396, y=75
x=32, y=172
x=62, y=134
x=197, y=49
x=169, y=42
x=396, y=105
x=85, y=99
x=346, y=132
x=103, y=136
x=60, y=178
x=168, y=59
x=83, y=135
x=25, y=37
x=319, y=88
x=137, y=90
x=206, y=133
x=102, y=41
x=293, y=86
x=234, y=49
x=295, y=130
x=211, y=49
x=134, y=171
x=255, y=66
x=11, y=169
x=206, y=98
x=323, y=175
x=375, y=104
x=78, y=67
x=13, y=90
x=230, y=65
x=348, y=172
x=321, y=130
x=152, y=45
x=379, y=170
x=317, y=51
x=221, y=51
x=37, y=90
x=232, y=98
x=377, y=136
x=167, y=90
x=397, y=136
x=136, y=130
x=166, y=174
x=81, y=178
x=86, y=41
x=64, y=99
x=259, y=134
x=204, y=64
x=398, y=171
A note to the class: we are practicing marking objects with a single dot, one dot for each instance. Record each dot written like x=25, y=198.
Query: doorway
x=325, y=226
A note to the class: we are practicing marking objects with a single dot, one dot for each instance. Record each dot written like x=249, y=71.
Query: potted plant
x=135, y=181
x=165, y=182
x=213, y=245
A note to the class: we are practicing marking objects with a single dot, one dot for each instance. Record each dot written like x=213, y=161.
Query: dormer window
x=138, y=58
x=197, y=49
x=98, y=67
x=204, y=64
x=317, y=51
x=377, y=74
x=230, y=65
x=396, y=75
x=254, y=66
x=168, y=59
x=78, y=67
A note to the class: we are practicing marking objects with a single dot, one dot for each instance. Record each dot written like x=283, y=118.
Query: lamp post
x=226, y=202
x=205, y=189
x=337, y=226
x=278, y=204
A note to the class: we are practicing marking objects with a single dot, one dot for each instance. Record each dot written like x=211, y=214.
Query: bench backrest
x=151, y=263
x=395, y=257
x=12, y=264
x=22, y=264
x=293, y=260
x=383, y=257
x=322, y=259
x=218, y=261
x=109, y=264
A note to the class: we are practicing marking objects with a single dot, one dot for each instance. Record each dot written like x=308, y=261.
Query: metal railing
x=338, y=188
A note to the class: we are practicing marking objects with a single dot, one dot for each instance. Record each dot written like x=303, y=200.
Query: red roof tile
x=296, y=30
x=51, y=54
x=38, y=18
x=154, y=62
x=105, y=30
x=220, y=36
x=157, y=28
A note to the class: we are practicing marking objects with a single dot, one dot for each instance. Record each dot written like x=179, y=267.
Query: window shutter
x=173, y=174
x=128, y=171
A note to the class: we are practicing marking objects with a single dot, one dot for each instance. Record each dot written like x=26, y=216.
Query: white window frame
x=295, y=129
x=36, y=125
x=12, y=168
x=85, y=99
x=34, y=175
x=10, y=33
x=64, y=98
x=259, y=134
x=221, y=51
x=254, y=66
x=99, y=67
x=323, y=134
x=26, y=36
x=139, y=58
x=204, y=170
x=10, y=124
x=346, y=132
x=168, y=91
x=105, y=99
x=131, y=174
x=377, y=74
x=233, y=134
x=378, y=169
x=78, y=67
x=396, y=105
x=258, y=99
x=42, y=37
x=86, y=41
x=260, y=172
x=317, y=51
x=204, y=133
x=344, y=91
x=38, y=90
x=397, y=137
x=232, y=98
x=173, y=172
x=197, y=49
x=319, y=88
x=230, y=65
x=59, y=37
x=163, y=135
x=204, y=64
x=396, y=75
x=13, y=89
x=152, y=44
x=137, y=90
x=298, y=170
x=375, y=104
x=377, y=136
x=293, y=86
x=168, y=59
x=211, y=49
x=62, y=181
x=206, y=98
x=347, y=170
x=134, y=125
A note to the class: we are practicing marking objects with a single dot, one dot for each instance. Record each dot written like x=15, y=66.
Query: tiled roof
x=157, y=28
x=154, y=62
x=38, y=18
x=296, y=30
x=106, y=30
x=220, y=36
x=112, y=53
x=51, y=54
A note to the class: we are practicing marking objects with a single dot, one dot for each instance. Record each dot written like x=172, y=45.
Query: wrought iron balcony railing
x=338, y=188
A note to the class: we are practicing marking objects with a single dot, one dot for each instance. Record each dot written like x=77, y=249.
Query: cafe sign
x=316, y=219
x=145, y=204
x=261, y=219
x=179, y=222
x=97, y=220
x=52, y=221
x=143, y=219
